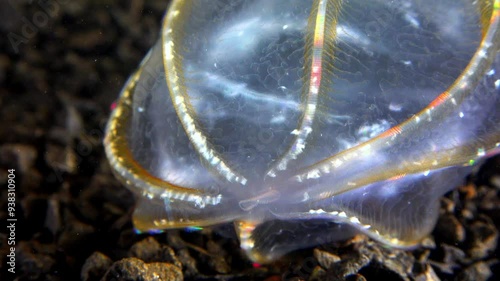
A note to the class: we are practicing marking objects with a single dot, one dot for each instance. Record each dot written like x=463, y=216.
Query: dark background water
x=62, y=65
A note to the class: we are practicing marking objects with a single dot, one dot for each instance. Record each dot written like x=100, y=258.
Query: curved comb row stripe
x=322, y=24
x=174, y=74
x=435, y=111
x=128, y=170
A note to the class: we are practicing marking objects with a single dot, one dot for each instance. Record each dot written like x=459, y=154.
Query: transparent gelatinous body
x=361, y=113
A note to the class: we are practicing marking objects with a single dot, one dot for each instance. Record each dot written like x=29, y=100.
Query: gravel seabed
x=62, y=64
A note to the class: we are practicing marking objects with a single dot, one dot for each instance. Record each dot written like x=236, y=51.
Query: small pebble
x=95, y=266
x=133, y=269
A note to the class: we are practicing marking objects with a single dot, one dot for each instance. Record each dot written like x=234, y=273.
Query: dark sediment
x=74, y=217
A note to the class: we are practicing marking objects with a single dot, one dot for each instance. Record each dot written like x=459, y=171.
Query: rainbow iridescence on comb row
x=361, y=113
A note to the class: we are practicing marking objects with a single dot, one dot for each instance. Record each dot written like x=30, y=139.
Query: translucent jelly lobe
x=350, y=112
